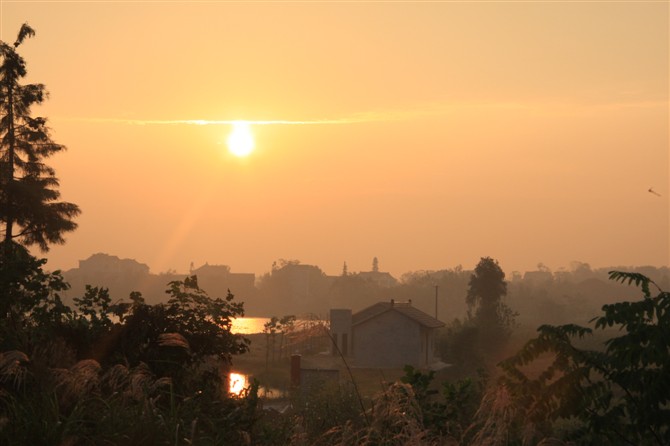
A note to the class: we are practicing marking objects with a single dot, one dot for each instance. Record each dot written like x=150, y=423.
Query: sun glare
x=237, y=383
x=240, y=141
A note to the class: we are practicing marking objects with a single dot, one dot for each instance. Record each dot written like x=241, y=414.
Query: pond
x=238, y=382
x=252, y=325
x=249, y=325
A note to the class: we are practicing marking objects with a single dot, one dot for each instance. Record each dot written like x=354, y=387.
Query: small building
x=381, y=279
x=217, y=280
x=385, y=335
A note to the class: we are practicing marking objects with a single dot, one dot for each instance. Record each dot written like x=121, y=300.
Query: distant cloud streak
x=389, y=115
x=357, y=118
x=216, y=122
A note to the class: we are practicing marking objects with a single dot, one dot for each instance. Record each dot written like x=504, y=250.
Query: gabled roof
x=403, y=308
x=381, y=278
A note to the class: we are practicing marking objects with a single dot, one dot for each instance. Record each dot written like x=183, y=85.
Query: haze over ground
x=428, y=135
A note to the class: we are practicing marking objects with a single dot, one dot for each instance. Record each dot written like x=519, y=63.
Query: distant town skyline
x=425, y=134
x=539, y=266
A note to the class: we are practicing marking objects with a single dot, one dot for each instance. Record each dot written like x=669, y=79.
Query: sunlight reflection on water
x=239, y=382
x=249, y=325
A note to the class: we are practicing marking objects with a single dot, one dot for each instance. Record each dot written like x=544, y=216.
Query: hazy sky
x=426, y=134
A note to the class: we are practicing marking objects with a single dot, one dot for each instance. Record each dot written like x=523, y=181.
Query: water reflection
x=238, y=383
x=248, y=325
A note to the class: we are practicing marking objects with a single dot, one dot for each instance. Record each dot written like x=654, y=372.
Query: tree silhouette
x=616, y=394
x=486, y=309
x=29, y=206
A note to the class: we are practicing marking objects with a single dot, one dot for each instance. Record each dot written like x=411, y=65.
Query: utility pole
x=436, y=287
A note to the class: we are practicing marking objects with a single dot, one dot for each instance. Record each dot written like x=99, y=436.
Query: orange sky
x=528, y=132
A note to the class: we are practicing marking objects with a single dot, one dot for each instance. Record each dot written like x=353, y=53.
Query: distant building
x=385, y=335
x=106, y=264
x=119, y=276
x=382, y=279
x=297, y=288
x=216, y=280
x=122, y=276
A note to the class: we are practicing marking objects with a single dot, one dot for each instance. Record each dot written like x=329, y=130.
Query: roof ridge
x=404, y=308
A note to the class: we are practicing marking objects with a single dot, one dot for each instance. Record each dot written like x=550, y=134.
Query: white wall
x=388, y=340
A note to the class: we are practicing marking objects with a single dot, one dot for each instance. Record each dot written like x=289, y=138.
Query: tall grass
x=87, y=405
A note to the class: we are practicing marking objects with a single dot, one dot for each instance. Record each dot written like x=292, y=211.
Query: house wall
x=389, y=340
x=427, y=345
x=341, y=331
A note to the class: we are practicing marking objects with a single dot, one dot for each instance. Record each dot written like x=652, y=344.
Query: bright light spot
x=240, y=141
x=237, y=383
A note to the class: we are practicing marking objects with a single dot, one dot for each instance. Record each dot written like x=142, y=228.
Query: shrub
x=620, y=394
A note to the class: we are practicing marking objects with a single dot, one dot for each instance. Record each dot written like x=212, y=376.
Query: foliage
x=395, y=419
x=30, y=211
x=447, y=413
x=486, y=289
x=458, y=344
x=420, y=287
x=326, y=405
x=352, y=291
x=620, y=394
x=30, y=304
x=187, y=337
x=86, y=404
x=38, y=315
x=497, y=421
x=204, y=321
x=292, y=285
x=486, y=309
x=153, y=377
x=462, y=401
x=94, y=307
x=270, y=329
x=281, y=327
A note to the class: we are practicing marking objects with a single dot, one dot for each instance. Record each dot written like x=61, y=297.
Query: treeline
x=76, y=376
x=541, y=296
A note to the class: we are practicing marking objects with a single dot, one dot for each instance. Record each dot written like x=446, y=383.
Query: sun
x=240, y=141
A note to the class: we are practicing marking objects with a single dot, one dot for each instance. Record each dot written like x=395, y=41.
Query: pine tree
x=29, y=206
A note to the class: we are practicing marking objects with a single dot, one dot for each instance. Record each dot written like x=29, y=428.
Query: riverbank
x=275, y=375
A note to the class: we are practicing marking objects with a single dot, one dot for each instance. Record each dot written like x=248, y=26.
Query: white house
x=385, y=335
